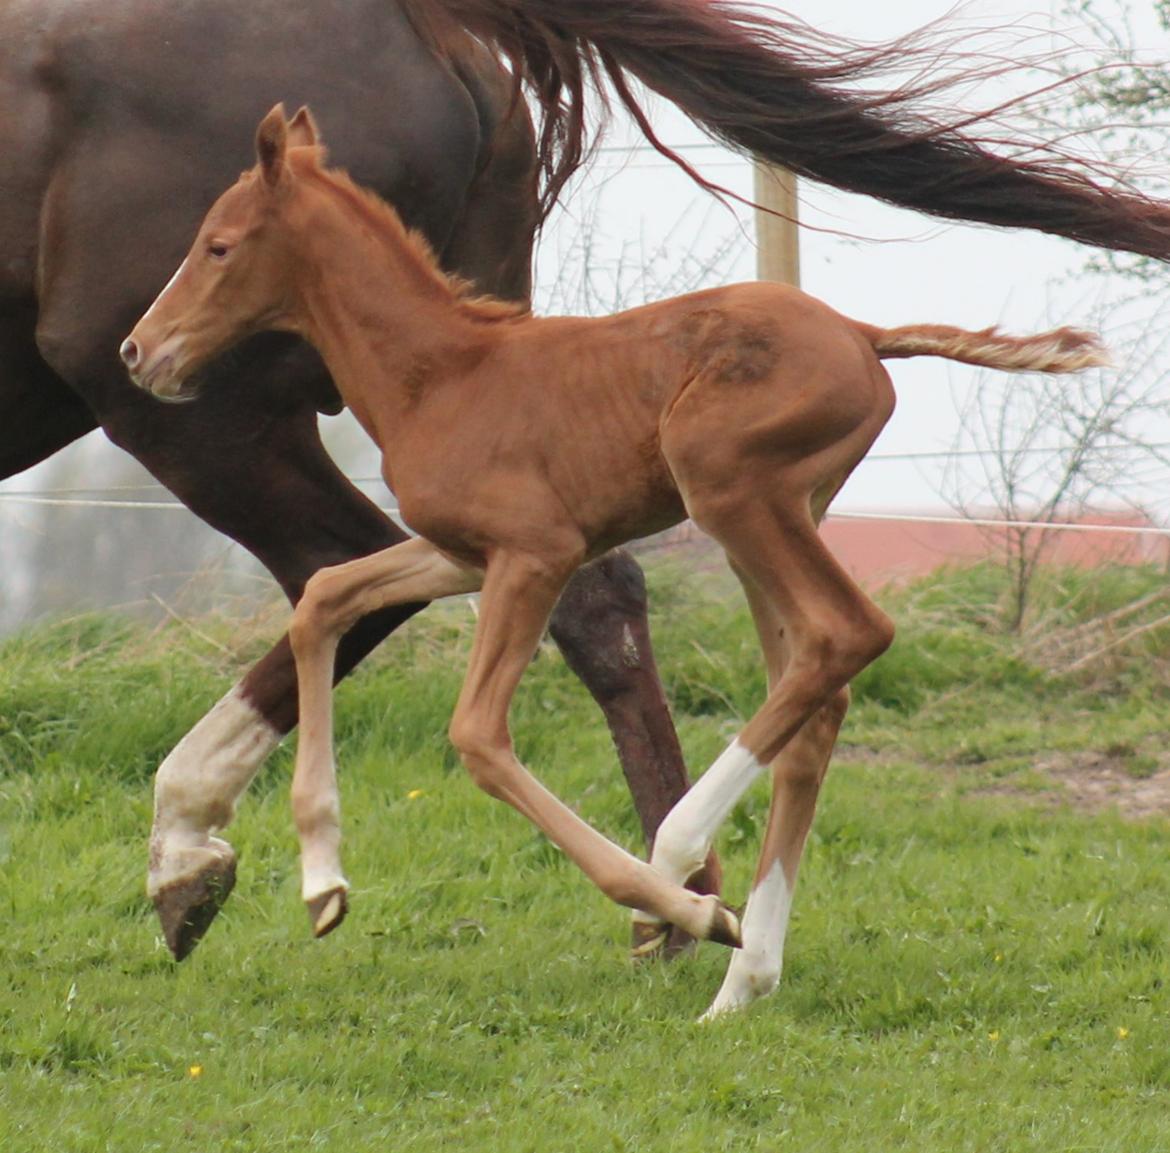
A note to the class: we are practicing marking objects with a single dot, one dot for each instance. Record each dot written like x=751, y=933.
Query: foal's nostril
x=131, y=354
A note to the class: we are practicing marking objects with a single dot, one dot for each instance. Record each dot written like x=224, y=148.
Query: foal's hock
x=520, y=447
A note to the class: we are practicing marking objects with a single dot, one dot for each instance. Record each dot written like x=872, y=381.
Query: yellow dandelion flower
x=195, y=1072
x=414, y=794
x=999, y=958
x=1122, y=1032
x=993, y=1035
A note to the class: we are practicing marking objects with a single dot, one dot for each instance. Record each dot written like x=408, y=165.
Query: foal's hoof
x=651, y=941
x=724, y=927
x=186, y=907
x=327, y=910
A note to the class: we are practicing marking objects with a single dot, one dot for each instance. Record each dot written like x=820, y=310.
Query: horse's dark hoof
x=327, y=910
x=658, y=942
x=678, y=943
x=648, y=940
x=187, y=907
x=725, y=927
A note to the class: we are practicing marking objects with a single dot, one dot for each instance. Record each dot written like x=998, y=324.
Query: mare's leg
x=335, y=599
x=248, y=460
x=518, y=595
x=265, y=480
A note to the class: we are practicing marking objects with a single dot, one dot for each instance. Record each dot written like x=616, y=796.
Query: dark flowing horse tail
x=771, y=87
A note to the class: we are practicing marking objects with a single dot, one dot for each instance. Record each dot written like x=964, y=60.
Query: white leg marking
x=197, y=786
x=684, y=837
x=755, y=969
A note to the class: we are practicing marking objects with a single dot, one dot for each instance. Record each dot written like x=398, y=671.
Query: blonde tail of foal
x=1061, y=350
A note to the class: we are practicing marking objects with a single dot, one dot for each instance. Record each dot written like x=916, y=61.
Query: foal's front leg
x=519, y=592
x=335, y=598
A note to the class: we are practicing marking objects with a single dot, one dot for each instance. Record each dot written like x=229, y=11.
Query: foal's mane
x=386, y=221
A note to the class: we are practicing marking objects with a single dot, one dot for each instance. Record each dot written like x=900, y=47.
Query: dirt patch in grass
x=1136, y=787
x=1094, y=782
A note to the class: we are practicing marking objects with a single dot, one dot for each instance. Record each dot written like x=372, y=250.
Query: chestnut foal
x=519, y=448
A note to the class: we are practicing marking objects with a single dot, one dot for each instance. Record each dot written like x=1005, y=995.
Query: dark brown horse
x=423, y=113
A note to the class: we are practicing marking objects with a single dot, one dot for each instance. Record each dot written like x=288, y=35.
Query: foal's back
x=573, y=411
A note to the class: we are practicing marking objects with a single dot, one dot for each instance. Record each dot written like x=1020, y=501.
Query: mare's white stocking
x=197, y=787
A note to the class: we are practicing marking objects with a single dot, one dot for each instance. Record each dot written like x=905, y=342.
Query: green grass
x=972, y=963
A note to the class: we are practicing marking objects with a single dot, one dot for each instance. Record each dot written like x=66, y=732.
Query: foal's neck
x=376, y=306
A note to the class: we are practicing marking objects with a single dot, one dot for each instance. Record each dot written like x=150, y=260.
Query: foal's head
x=236, y=280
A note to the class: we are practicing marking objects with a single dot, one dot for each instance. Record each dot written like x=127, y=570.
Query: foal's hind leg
x=519, y=591
x=335, y=598
x=831, y=632
x=797, y=774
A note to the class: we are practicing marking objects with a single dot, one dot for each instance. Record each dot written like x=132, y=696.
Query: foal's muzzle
x=154, y=373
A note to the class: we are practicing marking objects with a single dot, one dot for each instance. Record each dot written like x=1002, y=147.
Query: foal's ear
x=302, y=129
x=271, y=145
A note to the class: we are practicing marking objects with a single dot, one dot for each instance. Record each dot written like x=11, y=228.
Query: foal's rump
x=778, y=383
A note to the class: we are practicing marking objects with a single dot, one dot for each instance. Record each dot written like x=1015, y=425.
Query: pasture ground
x=977, y=959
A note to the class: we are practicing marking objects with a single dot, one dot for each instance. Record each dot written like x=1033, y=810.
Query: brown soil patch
x=1094, y=781
x=1091, y=782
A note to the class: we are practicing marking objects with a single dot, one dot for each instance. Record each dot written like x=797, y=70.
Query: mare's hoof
x=648, y=940
x=187, y=907
x=327, y=910
x=651, y=942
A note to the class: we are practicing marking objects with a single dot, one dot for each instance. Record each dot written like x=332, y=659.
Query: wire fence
x=50, y=500
x=102, y=496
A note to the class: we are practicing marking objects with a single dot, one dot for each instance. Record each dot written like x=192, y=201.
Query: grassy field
x=977, y=961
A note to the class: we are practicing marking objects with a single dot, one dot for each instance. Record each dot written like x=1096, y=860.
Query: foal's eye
x=217, y=250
